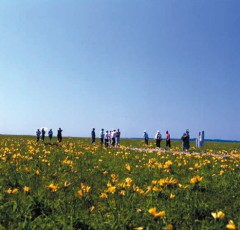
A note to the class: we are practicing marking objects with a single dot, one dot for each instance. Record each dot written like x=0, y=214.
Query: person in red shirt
x=168, y=140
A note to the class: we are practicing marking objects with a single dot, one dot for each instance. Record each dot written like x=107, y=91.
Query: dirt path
x=180, y=152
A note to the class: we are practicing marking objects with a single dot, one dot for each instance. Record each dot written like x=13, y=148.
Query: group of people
x=41, y=134
x=112, y=137
x=108, y=138
x=158, y=138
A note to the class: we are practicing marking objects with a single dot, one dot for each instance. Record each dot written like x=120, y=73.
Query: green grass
x=114, y=188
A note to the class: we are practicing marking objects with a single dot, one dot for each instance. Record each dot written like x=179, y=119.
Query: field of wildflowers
x=75, y=185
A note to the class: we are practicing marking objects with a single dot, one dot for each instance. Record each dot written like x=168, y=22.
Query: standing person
x=110, y=137
x=93, y=135
x=168, y=140
x=102, y=136
x=158, y=138
x=118, y=133
x=186, y=140
x=113, y=137
x=59, y=135
x=106, y=139
x=38, y=134
x=50, y=134
x=43, y=134
x=145, y=136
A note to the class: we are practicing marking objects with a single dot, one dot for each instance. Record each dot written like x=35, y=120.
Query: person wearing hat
x=145, y=136
x=158, y=138
x=59, y=135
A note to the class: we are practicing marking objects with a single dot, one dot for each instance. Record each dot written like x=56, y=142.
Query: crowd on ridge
x=112, y=137
x=41, y=134
x=158, y=138
x=108, y=138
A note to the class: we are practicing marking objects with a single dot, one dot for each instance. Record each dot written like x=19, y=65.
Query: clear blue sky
x=129, y=64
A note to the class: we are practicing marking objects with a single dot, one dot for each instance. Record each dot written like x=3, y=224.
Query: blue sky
x=135, y=65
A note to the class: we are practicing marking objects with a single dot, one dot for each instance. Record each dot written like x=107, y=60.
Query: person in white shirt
x=158, y=138
x=113, y=137
x=106, y=139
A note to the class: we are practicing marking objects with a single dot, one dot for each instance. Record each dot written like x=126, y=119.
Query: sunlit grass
x=76, y=185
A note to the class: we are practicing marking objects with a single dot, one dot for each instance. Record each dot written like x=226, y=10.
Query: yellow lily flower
x=231, y=225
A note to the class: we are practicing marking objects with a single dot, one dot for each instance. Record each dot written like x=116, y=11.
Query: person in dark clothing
x=43, y=134
x=93, y=136
x=186, y=140
x=38, y=134
x=102, y=136
x=145, y=136
x=59, y=135
x=50, y=134
x=118, y=133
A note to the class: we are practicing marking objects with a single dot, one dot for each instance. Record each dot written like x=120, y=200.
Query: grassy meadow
x=75, y=185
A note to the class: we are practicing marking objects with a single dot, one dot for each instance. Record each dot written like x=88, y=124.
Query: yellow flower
x=67, y=184
x=183, y=186
x=221, y=172
x=26, y=189
x=156, y=189
x=15, y=190
x=154, y=182
x=172, y=196
x=80, y=193
x=37, y=172
x=231, y=225
x=9, y=191
x=122, y=192
x=152, y=211
x=218, y=215
x=160, y=214
x=168, y=227
x=91, y=209
x=214, y=215
x=195, y=179
x=52, y=187
x=128, y=180
x=138, y=228
x=87, y=189
x=156, y=214
x=104, y=195
x=111, y=189
x=114, y=178
x=128, y=167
